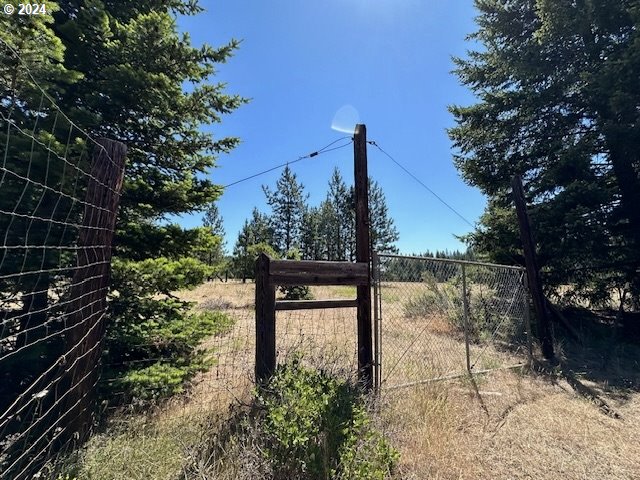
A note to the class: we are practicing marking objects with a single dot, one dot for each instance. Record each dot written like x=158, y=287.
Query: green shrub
x=295, y=292
x=445, y=299
x=151, y=348
x=316, y=426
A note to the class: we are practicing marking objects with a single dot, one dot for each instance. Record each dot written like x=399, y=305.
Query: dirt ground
x=579, y=420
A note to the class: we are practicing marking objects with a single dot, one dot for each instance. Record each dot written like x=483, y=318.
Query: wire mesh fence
x=323, y=338
x=439, y=318
x=59, y=191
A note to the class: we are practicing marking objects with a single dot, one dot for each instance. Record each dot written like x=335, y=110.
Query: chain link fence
x=439, y=319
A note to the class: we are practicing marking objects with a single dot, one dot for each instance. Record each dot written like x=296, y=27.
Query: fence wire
x=324, y=338
x=59, y=189
x=439, y=318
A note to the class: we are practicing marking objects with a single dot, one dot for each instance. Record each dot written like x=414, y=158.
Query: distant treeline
x=402, y=269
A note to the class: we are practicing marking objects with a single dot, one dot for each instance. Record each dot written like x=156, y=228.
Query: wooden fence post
x=87, y=310
x=533, y=271
x=265, y=321
x=363, y=254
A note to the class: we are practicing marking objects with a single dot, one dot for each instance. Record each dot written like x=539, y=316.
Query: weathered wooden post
x=265, y=321
x=86, y=311
x=533, y=271
x=363, y=254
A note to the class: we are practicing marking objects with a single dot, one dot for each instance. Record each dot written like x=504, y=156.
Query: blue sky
x=300, y=62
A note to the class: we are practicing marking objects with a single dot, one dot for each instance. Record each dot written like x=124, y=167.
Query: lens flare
x=345, y=119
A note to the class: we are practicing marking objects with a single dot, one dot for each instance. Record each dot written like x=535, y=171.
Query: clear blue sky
x=300, y=62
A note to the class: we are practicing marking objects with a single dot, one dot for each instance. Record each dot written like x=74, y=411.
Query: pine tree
x=212, y=248
x=213, y=220
x=327, y=218
x=93, y=60
x=288, y=203
x=257, y=231
x=558, y=104
x=383, y=231
x=338, y=198
x=26, y=165
x=310, y=242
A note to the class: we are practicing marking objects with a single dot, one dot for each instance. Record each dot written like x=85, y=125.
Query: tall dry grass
x=504, y=425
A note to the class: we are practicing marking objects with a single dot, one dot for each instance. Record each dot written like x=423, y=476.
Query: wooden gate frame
x=271, y=273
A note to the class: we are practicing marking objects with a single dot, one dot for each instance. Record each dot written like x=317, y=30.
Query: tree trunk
x=622, y=160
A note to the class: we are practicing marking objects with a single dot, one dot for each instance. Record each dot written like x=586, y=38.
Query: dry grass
x=505, y=425
x=513, y=428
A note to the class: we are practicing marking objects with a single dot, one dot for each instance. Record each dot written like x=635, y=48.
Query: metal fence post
x=465, y=306
x=376, y=321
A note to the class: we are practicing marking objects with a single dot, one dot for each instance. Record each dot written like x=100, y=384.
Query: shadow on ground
x=603, y=363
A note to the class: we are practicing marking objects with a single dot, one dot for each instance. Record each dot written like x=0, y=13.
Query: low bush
x=445, y=299
x=152, y=343
x=314, y=425
x=295, y=292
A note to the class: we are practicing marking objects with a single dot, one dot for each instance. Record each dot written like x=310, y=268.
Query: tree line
x=322, y=232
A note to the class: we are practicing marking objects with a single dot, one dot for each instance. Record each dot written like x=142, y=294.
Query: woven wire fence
x=59, y=191
x=323, y=338
x=439, y=319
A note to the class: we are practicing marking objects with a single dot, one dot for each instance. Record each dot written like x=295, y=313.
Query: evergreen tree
x=213, y=220
x=214, y=249
x=342, y=217
x=288, y=203
x=350, y=215
x=327, y=218
x=558, y=105
x=256, y=231
x=326, y=232
x=383, y=231
x=29, y=186
x=310, y=242
x=93, y=59
x=244, y=261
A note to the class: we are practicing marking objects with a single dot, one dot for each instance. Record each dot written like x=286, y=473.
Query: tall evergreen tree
x=328, y=219
x=558, y=105
x=214, y=249
x=257, y=231
x=310, y=241
x=383, y=231
x=213, y=220
x=288, y=203
x=93, y=60
x=30, y=180
x=338, y=197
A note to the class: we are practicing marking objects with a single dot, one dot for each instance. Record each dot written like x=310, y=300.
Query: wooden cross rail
x=315, y=304
x=289, y=272
x=270, y=273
